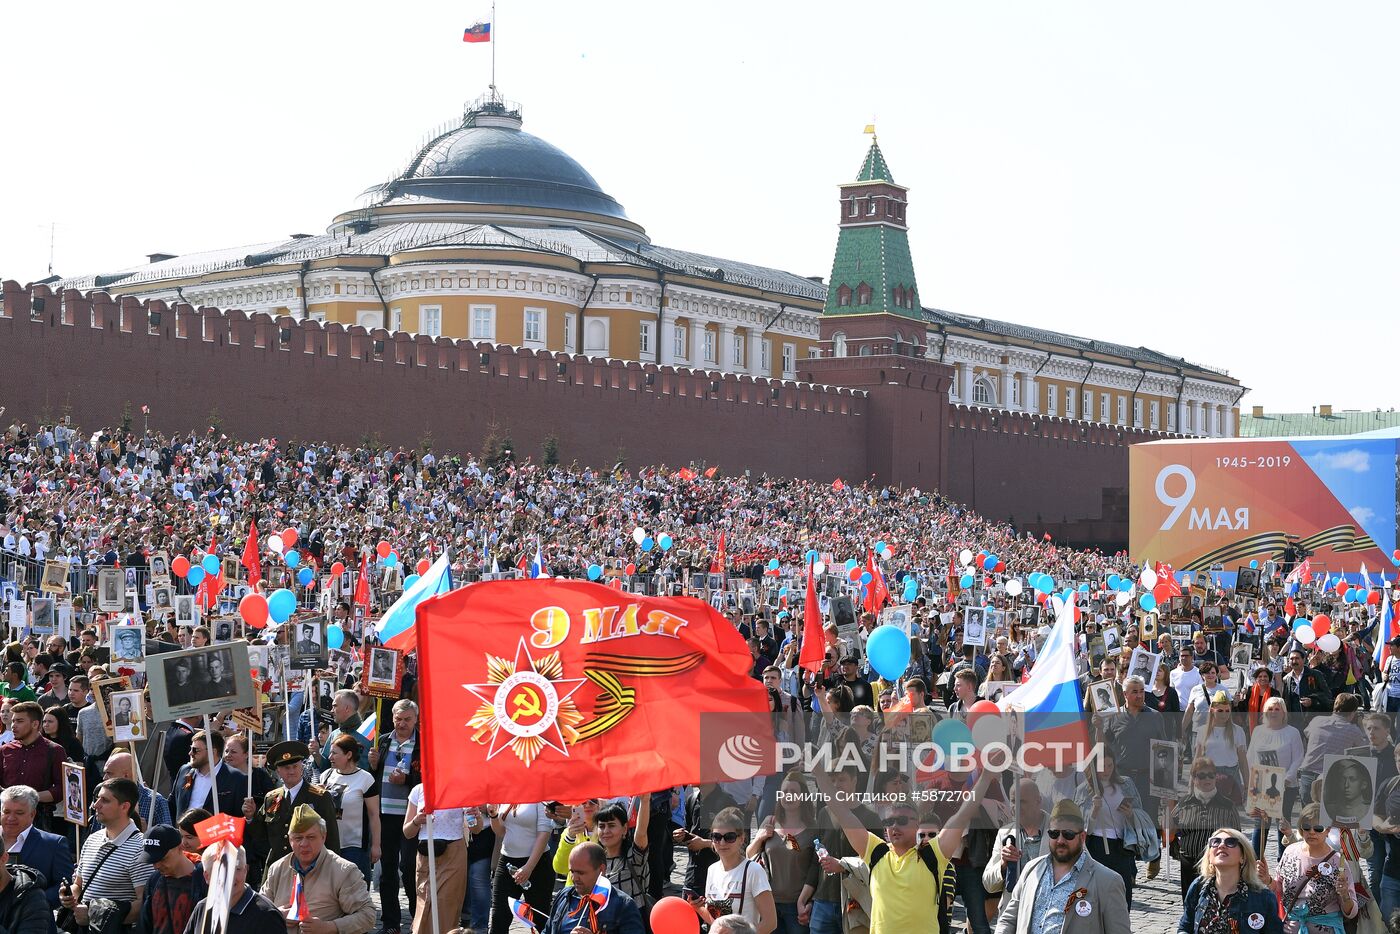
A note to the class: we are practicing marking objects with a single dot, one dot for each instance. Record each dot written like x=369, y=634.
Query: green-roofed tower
x=873, y=272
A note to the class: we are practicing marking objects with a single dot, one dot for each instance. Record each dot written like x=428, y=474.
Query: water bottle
x=821, y=850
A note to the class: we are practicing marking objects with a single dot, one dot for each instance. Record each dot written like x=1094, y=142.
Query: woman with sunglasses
x=1313, y=884
x=736, y=884
x=1223, y=742
x=1231, y=894
x=1203, y=808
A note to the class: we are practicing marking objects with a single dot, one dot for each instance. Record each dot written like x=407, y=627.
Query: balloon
x=382, y=549
x=391, y=559
x=1374, y=598
x=1126, y=584
x=866, y=577
x=253, y=609
x=292, y=557
x=1305, y=634
x=1001, y=567
x=965, y=557
x=647, y=544
x=879, y=547
x=1123, y=599
x=818, y=569
x=337, y=569
x=281, y=605
x=630, y=570
x=888, y=553
x=1321, y=624
x=773, y=564
x=335, y=636
x=672, y=915
x=986, y=724
x=638, y=534
x=1013, y=587
x=888, y=651
x=850, y=563
x=210, y=564
x=1147, y=602
x=854, y=573
x=991, y=561
x=275, y=544
x=195, y=575
x=305, y=576
x=911, y=590
x=1148, y=579
x=1349, y=596
x=411, y=579
x=966, y=581
x=422, y=566
x=948, y=732
x=1329, y=642
x=1254, y=562
x=594, y=572
x=1083, y=588
x=1162, y=592
x=1113, y=580
x=1048, y=582
x=665, y=542
x=289, y=537
x=812, y=555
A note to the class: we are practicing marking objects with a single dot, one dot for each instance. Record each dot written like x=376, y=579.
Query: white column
x=728, y=361
x=1029, y=402
x=1229, y=422
x=965, y=390
x=697, y=343
x=1006, y=377
x=753, y=343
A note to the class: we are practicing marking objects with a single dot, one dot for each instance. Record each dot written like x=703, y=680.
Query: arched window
x=843, y=296
x=983, y=392
x=838, y=344
x=863, y=293
x=899, y=296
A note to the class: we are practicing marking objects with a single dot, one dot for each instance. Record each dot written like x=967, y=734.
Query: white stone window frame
x=540, y=318
x=482, y=322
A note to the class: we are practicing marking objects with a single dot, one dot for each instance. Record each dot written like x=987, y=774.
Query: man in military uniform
x=268, y=825
x=310, y=642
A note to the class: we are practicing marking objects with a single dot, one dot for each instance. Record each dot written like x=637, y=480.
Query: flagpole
x=213, y=765
x=493, y=94
x=432, y=875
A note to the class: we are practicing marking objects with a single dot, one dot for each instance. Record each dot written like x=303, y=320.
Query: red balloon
x=1162, y=593
x=423, y=565
x=1321, y=624
x=337, y=569
x=382, y=549
x=631, y=569
x=289, y=537
x=253, y=609
x=1000, y=568
x=1374, y=598
x=180, y=565
x=856, y=572
x=983, y=707
x=672, y=915
x=1343, y=587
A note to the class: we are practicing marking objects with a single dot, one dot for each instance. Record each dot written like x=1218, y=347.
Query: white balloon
x=989, y=729
x=1123, y=598
x=1013, y=587
x=1148, y=578
x=888, y=553
x=638, y=534
x=1305, y=634
x=965, y=557
x=1329, y=642
x=818, y=569
x=275, y=544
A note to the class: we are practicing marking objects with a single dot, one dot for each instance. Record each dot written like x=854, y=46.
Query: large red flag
x=533, y=690
x=362, y=584
x=876, y=593
x=251, y=557
x=813, y=640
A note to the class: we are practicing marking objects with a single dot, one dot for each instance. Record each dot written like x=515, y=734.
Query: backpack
x=943, y=888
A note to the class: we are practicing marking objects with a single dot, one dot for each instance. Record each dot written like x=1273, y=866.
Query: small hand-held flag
x=477, y=32
x=813, y=641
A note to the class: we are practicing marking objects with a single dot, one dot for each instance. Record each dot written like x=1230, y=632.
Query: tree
x=551, y=451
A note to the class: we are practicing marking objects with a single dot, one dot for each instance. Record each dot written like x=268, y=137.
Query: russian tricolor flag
x=478, y=32
x=1385, y=631
x=1052, y=708
x=395, y=627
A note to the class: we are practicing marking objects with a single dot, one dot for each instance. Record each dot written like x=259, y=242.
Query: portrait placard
x=1103, y=697
x=901, y=617
x=274, y=728
x=186, y=610
x=160, y=568
x=383, y=676
x=128, y=647
x=974, y=626
x=308, y=636
x=1143, y=664
x=75, y=793
x=102, y=693
x=42, y=614
x=1265, y=790
x=1162, y=776
x=211, y=679
x=55, y=579
x=1348, y=791
x=128, y=716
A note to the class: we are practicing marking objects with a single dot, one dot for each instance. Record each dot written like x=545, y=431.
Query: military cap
x=285, y=753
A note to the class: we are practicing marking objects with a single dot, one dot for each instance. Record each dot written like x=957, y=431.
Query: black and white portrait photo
x=160, y=567
x=1112, y=644
x=385, y=672
x=325, y=694
x=273, y=728
x=308, y=637
x=163, y=601
x=1348, y=791
x=974, y=626
x=74, y=793
x=128, y=646
x=1104, y=697
x=1162, y=777
x=109, y=590
x=55, y=579
x=1241, y=654
x=128, y=716
x=186, y=610
x=899, y=617
x=211, y=679
x=1247, y=581
x=223, y=630
x=42, y=616
x=1143, y=664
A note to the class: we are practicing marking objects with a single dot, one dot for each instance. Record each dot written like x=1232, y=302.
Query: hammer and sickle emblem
x=529, y=707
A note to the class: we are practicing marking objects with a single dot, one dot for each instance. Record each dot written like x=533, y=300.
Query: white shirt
x=203, y=785
x=19, y=841
x=447, y=823
x=748, y=878
x=1184, y=681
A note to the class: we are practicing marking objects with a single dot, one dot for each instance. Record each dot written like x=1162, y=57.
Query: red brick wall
x=327, y=384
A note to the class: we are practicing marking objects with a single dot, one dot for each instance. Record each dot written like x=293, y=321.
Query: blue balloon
x=850, y=563
x=992, y=561
x=1300, y=621
x=281, y=605
x=648, y=543
x=210, y=564
x=293, y=557
x=1113, y=580
x=888, y=651
x=305, y=576
x=594, y=572
x=335, y=636
x=966, y=581
x=1147, y=602
x=867, y=577
x=410, y=580
x=1047, y=583
x=813, y=555
x=1125, y=584
x=949, y=732
x=911, y=591
x=773, y=564
x=1083, y=588
x=665, y=542
x=391, y=560
x=782, y=591
x=1254, y=562
x=195, y=575
x=879, y=546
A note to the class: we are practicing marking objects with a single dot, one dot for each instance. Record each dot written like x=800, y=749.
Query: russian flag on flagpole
x=537, y=568
x=368, y=731
x=1050, y=703
x=395, y=627
x=1385, y=631
x=477, y=32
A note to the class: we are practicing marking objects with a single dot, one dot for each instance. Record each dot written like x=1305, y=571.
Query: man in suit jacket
x=1085, y=896
x=193, y=785
x=47, y=853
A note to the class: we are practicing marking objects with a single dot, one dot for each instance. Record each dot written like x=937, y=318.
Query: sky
x=1212, y=180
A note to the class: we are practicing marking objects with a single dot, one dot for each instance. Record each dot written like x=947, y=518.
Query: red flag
x=251, y=559
x=813, y=641
x=220, y=827
x=710, y=473
x=362, y=584
x=876, y=593
x=717, y=564
x=837, y=485
x=570, y=684
x=685, y=473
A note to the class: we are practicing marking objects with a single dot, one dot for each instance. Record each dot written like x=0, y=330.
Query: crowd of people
x=1213, y=741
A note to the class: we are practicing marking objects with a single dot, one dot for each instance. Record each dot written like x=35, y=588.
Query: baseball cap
x=160, y=840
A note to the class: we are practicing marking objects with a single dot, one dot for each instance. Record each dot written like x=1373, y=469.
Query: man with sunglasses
x=1067, y=892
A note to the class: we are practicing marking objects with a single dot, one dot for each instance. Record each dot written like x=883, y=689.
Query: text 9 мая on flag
x=534, y=690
